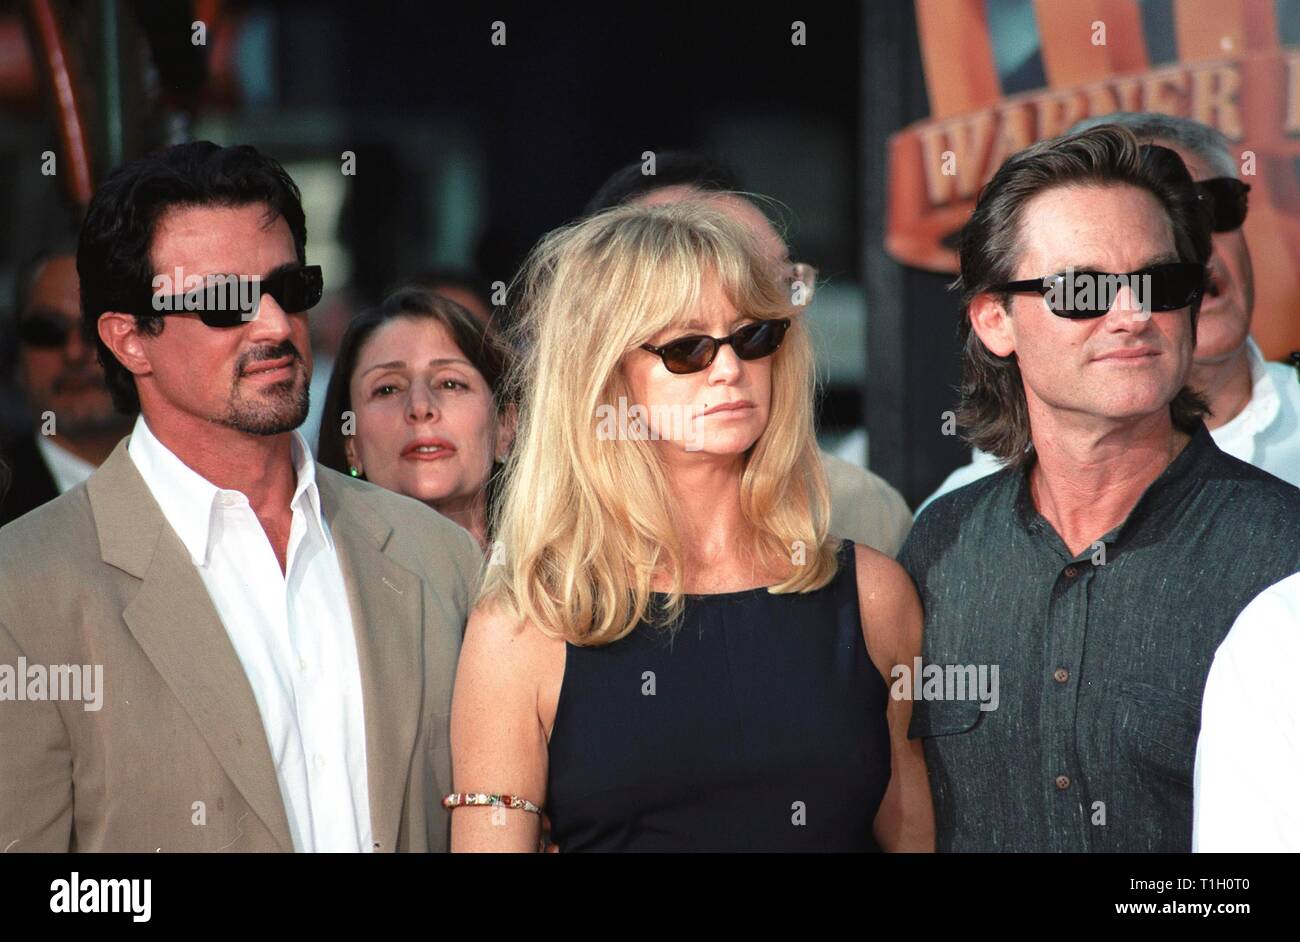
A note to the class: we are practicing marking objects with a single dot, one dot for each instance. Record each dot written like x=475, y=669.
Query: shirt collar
x=67, y=469
x=306, y=493
x=1164, y=492
x=188, y=500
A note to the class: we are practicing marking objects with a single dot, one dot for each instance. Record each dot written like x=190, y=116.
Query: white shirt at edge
x=1248, y=754
x=67, y=469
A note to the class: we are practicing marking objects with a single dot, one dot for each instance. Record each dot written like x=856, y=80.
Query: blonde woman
x=670, y=652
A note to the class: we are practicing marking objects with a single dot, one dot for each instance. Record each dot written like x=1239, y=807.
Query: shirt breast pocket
x=943, y=718
x=1156, y=731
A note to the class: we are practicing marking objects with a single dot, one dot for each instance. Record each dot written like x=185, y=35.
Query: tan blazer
x=177, y=759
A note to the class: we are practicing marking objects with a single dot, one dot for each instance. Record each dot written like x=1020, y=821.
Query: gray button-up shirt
x=1101, y=657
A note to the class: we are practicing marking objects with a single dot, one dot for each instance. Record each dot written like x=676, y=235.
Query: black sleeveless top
x=759, y=725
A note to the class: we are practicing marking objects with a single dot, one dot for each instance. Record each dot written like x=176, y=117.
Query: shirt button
x=302, y=665
x=1060, y=675
x=1062, y=782
x=1070, y=572
x=320, y=761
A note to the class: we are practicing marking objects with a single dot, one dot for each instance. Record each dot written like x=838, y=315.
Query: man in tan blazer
x=215, y=643
x=98, y=577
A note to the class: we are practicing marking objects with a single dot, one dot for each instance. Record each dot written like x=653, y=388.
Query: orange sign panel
x=1231, y=72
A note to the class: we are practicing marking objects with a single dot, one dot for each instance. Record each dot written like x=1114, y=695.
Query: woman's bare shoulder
x=509, y=644
x=508, y=660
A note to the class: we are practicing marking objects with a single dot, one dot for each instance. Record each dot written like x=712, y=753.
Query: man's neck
x=1226, y=385
x=1088, y=477
x=258, y=466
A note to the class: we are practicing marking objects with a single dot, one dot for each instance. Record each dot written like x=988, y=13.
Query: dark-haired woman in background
x=420, y=375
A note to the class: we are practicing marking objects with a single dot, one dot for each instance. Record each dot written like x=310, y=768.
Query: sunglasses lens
x=755, y=341
x=1228, y=199
x=219, y=302
x=1170, y=287
x=1174, y=287
x=297, y=290
x=751, y=342
x=1075, y=295
x=1080, y=296
x=688, y=355
x=222, y=317
x=44, y=333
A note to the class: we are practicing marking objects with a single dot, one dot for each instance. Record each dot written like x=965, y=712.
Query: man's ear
x=125, y=341
x=991, y=321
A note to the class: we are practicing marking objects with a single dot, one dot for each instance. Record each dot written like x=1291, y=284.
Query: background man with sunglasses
x=1100, y=569
x=277, y=641
x=1254, y=404
x=57, y=376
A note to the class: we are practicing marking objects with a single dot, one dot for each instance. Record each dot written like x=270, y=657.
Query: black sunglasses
x=221, y=302
x=44, y=331
x=1083, y=294
x=1227, y=199
x=694, y=353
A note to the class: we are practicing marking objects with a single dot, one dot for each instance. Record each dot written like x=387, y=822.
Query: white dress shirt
x=67, y=469
x=292, y=632
x=1266, y=433
x=1248, y=754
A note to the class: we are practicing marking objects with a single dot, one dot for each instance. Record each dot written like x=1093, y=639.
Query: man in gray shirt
x=1095, y=575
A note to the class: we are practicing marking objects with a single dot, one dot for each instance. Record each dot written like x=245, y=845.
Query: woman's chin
x=728, y=447
x=428, y=488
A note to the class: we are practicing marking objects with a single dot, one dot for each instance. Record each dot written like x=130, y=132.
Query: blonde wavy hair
x=584, y=524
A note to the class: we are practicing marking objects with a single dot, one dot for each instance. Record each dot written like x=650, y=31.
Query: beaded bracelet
x=465, y=799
